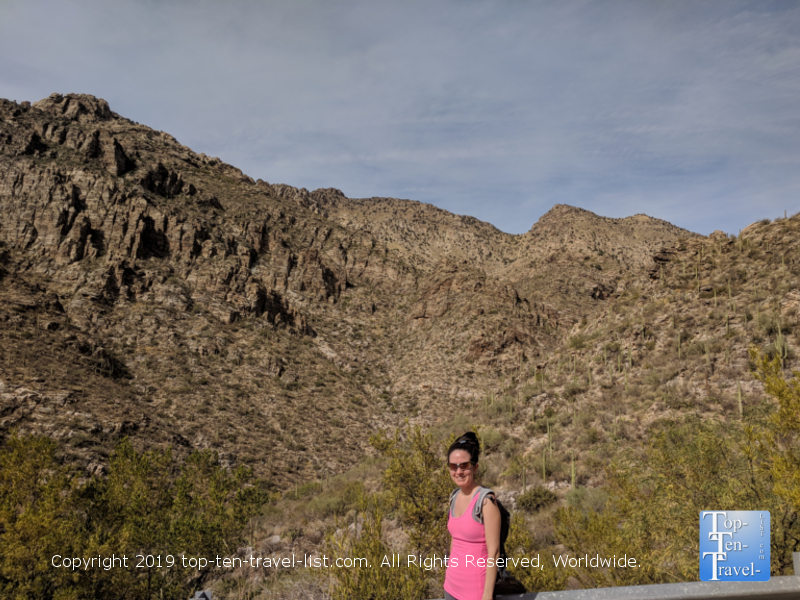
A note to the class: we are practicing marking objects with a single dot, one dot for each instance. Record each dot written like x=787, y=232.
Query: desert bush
x=587, y=500
x=335, y=501
x=654, y=496
x=417, y=487
x=491, y=439
x=503, y=410
x=577, y=342
x=40, y=516
x=521, y=543
x=149, y=503
x=591, y=436
x=491, y=470
x=535, y=499
x=509, y=447
x=371, y=581
x=572, y=389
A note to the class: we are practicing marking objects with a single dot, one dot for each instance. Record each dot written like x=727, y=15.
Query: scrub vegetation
x=148, y=508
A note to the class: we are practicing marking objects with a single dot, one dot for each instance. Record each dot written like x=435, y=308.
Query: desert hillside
x=150, y=291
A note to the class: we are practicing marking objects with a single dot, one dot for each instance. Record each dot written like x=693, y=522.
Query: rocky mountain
x=151, y=291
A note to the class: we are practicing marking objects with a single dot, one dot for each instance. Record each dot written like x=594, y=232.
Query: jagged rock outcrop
x=82, y=108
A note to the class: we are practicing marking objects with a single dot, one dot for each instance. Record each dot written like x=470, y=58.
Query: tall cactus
x=544, y=465
x=739, y=393
x=781, y=347
x=573, y=469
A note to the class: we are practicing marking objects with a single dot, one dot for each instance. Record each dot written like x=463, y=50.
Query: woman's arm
x=491, y=526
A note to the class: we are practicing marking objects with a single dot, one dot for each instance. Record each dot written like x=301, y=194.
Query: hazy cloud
x=686, y=111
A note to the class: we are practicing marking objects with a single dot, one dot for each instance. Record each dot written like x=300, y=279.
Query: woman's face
x=462, y=477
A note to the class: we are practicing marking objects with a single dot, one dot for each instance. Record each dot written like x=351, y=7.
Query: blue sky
x=686, y=111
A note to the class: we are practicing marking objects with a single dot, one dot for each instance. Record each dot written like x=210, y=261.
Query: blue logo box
x=734, y=545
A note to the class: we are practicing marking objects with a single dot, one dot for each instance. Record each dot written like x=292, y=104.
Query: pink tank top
x=464, y=579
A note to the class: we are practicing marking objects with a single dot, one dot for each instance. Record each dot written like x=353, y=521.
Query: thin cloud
x=683, y=110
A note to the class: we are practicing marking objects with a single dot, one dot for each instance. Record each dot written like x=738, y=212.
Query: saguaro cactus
x=544, y=465
x=781, y=347
x=573, y=469
x=739, y=393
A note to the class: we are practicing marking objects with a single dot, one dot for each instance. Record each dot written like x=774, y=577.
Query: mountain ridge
x=152, y=291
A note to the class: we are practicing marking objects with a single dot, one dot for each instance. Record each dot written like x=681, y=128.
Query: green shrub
x=587, y=499
x=520, y=542
x=149, y=503
x=417, y=486
x=656, y=492
x=572, y=389
x=371, y=581
x=535, y=499
x=509, y=447
x=491, y=439
x=591, y=436
x=577, y=342
x=307, y=489
x=336, y=501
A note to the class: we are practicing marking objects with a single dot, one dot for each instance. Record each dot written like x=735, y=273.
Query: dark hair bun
x=468, y=437
x=469, y=443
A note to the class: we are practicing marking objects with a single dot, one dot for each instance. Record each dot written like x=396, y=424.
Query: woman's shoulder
x=488, y=501
x=485, y=494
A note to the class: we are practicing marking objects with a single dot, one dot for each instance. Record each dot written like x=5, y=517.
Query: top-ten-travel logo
x=734, y=545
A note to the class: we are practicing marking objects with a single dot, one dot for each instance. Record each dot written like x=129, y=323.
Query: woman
x=472, y=540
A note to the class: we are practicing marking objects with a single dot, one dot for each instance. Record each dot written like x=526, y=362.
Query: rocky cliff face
x=148, y=290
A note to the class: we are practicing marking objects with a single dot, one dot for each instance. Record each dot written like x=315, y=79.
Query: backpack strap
x=453, y=495
x=477, y=514
x=477, y=510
